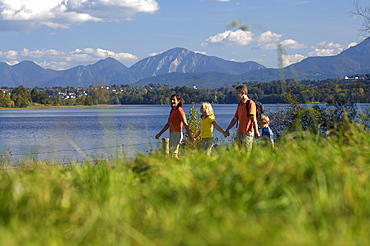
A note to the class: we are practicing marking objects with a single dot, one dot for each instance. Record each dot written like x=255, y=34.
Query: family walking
x=245, y=114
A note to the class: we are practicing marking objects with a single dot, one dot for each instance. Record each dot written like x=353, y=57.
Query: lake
x=76, y=133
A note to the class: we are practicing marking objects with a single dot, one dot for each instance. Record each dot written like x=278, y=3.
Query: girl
x=207, y=122
x=176, y=120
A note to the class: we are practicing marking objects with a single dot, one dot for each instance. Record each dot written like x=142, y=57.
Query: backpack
x=259, y=109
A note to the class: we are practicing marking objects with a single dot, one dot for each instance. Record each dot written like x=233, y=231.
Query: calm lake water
x=76, y=133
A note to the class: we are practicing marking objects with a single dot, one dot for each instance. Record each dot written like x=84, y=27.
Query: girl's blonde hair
x=207, y=109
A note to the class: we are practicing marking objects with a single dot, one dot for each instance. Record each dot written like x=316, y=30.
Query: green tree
x=5, y=100
x=21, y=97
x=101, y=94
x=86, y=100
x=56, y=100
x=34, y=94
x=40, y=97
x=294, y=118
x=306, y=96
x=193, y=122
x=44, y=98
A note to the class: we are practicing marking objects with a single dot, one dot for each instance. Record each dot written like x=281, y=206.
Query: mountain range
x=181, y=67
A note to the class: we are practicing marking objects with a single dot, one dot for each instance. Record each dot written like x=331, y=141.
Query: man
x=247, y=118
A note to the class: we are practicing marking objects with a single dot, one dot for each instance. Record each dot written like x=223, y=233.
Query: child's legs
x=207, y=144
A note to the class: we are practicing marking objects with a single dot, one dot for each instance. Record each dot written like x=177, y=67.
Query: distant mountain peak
x=26, y=63
x=106, y=69
x=182, y=60
x=109, y=61
x=358, y=50
x=178, y=49
x=27, y=67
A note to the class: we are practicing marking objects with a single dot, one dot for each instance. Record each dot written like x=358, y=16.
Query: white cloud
x=327, y=45
x=11, y=54
x=292, y=44
x=268, y=37
x=200, y=52
x=40, y=53
x=54, y=65
x=60, y=60
x=270, y=41
x=323, y=52
x=328, y=49
x=230, y=38
x=88, y=53
x=154, y=54
x=265, y=41
x=290, y=59
x=351, y=44
x=28, y=15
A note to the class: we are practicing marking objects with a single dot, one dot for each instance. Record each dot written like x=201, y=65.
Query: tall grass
x=309, y=191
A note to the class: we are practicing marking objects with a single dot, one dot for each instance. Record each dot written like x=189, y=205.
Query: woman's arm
x=197, y=134
x=183, y=119
x=163, y=130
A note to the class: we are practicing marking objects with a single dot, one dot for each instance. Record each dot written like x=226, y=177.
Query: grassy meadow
x=309, y=191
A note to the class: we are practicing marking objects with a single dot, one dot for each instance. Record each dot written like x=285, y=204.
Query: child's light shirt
x=206, y=126
x=266, y=133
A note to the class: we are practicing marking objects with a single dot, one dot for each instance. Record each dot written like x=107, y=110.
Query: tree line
x=352, y=89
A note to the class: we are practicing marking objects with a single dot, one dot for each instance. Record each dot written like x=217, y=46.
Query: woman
x=176, y=120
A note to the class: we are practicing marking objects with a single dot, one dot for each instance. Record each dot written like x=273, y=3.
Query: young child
x=207, y=122
x=265, y=131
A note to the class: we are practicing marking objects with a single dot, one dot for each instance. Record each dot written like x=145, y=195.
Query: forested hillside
x=352, y=89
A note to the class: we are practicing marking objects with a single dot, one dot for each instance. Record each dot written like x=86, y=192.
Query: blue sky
x=61, y=34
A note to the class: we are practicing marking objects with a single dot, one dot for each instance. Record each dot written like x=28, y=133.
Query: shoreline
x=116, y=105
x=50, y=106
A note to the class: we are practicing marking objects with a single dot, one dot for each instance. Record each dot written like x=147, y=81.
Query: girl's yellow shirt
x=206, y=126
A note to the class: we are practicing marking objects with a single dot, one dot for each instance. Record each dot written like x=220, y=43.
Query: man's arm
x=254, y=118
x=255, y=126
x=232, y=123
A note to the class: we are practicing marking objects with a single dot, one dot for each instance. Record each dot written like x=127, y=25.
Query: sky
x=61, y=34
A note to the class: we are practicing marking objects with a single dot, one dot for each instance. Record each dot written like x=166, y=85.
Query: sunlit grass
x=309, y=191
